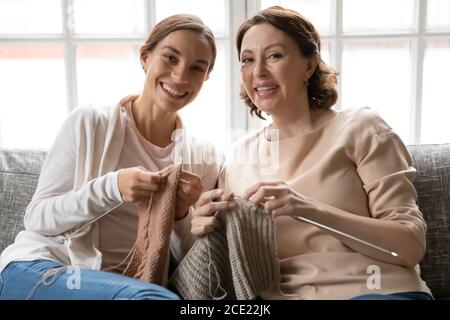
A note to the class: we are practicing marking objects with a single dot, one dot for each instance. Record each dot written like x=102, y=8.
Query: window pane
x=438, y=14
x=33, y=95
x=205, y=117
x=362, y=16
x=107, y=73
x=213, y=13
x=30, y=17
x=378, y=75
x=108, y=16
x=325, y=52
x=317, y=11
x=435, y=104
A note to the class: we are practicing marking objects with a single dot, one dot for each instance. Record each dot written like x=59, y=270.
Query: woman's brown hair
x=180, y=22
x=322, y=93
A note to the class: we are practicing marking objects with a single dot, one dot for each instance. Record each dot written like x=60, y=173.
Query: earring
x=307, y=82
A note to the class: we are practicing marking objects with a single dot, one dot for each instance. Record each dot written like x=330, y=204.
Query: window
x=435, y=106
x=57, y=54
x=393, y=56
x=33, y=94
x=18, y=17
x=378, y=74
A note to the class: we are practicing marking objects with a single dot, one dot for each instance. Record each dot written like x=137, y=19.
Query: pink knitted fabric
x=150, y=254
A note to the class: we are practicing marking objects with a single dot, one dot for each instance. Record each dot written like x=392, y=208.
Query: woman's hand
x=203, y=220
x=279, y=199
x=189, y=190
x=136, y=183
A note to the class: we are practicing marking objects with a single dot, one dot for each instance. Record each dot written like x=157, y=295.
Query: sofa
x=19, y=173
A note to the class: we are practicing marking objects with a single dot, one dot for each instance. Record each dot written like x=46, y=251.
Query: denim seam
x=1, y=283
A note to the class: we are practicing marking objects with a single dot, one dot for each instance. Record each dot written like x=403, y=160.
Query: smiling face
x=273, y=70
x=176, y=69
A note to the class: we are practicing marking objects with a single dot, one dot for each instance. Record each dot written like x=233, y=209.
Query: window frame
x=237, y=115
x=235, y=14
x=417, y=39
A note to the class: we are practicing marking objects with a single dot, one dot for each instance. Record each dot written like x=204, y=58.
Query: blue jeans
x=395, y=296
x=50, y=280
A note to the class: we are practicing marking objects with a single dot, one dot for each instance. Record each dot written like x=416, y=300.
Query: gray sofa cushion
x=19, y=173
x=433, y=188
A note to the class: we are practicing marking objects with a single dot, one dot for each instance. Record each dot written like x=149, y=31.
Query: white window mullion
x=419, y=54
x=252, y=7
x=150, y=15
x=338, y=14
x=69, y=55
x=83, y=39
x=47, y=39
x=238, y=116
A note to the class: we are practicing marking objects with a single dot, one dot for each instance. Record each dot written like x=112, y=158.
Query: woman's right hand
x=203, y=219
x=136, y=183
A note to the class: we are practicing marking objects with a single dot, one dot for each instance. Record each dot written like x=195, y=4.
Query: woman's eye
x=274, y=56
x=171, y=59
x=246, y=60
x=199, y=69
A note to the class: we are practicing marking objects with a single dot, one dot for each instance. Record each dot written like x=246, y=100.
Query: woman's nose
x=260, y=70
x=180, y=74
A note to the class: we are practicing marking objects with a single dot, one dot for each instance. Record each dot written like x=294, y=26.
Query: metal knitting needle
x=392, y=253
x=64, y=238
x=317, y=224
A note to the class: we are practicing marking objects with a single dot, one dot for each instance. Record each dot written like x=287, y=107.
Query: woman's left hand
x=189, y=190
x=279, y=199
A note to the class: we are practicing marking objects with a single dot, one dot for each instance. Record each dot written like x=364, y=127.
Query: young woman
x=109, y=159
x=345, y=170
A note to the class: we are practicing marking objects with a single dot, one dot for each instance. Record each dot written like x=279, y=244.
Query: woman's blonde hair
x=322, y=93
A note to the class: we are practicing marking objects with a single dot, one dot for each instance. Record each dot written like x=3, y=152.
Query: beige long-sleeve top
x=356, y=165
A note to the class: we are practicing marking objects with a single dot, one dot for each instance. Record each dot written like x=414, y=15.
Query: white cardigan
x=78, y=182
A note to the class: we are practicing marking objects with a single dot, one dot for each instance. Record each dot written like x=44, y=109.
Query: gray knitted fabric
x=236, y=261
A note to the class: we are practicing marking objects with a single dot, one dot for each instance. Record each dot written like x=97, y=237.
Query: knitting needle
x=392, y=253
x=317, y=224
x=64, y=238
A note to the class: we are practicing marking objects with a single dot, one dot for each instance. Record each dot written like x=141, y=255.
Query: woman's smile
x=172, y=92
x=266, y=91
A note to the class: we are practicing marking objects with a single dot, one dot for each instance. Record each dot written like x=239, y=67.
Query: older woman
x=347, y=171
x=109, y=160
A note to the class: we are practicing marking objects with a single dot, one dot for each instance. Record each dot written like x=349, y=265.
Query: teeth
x=173, y=91
x=260, y=89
